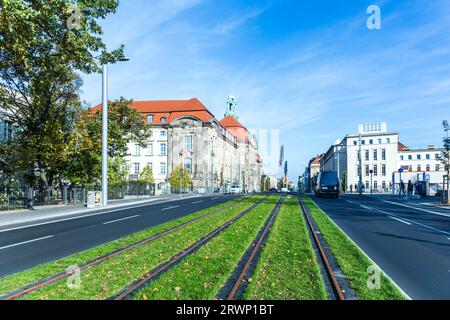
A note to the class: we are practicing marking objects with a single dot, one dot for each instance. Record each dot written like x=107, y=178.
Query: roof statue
x=232, y=107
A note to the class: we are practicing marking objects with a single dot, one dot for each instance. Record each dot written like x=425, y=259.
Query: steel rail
x=326, y=263
x=45, y=282
x=129, y=291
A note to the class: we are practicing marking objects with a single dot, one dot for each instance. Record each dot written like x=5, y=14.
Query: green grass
x=351, y=259
x=287, y=269
x=109, y=277
x=21, y=279
x=200, y=276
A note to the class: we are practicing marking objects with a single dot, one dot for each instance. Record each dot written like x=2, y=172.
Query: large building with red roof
x=217, y=153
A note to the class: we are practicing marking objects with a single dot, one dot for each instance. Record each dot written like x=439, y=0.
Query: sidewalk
x=8, y=218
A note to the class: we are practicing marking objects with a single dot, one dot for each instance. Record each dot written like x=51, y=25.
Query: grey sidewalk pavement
x=8, y=218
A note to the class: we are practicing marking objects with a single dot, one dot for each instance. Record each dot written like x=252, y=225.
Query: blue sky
x=310, y=69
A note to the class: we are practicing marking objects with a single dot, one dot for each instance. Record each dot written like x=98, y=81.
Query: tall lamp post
x=360, y=166
x=447, y=150
x=105, y=130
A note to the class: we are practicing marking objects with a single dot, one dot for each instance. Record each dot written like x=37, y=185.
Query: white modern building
x=382, y=155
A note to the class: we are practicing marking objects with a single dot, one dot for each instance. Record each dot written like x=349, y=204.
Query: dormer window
x=150, y=118
x=163, y=120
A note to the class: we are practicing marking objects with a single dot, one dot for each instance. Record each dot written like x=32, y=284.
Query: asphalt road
x=408, y=240
x=28, y=245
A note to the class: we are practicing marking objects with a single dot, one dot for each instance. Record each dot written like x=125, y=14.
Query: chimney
x=431, y=147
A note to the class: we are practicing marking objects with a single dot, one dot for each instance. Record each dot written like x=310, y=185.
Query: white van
x=235, y=190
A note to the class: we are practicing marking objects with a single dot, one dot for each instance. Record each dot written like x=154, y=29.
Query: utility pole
x=447, y=154
x=360, y=166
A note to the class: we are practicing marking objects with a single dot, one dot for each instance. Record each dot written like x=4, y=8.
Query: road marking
x=25, y=242
x=87, y=215
x=113, y=221
x=215, y=198
x=400, y=220
x=170, y=208
x=365, y=207
x=197, y=202
x=412, y=221
x=420, y=209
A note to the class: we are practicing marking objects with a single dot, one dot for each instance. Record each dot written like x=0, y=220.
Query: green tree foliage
x=125, y=125
x=180, y=177
x=41, y=55
x=147, y=176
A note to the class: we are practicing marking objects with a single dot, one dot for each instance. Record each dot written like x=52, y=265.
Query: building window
x=419, y=157
x=188, y=143
x=383, y=170
x=379, y=141
x=437, y=156
x=402, y=158
x=375, y=184
x=163, y=120
x=150, y=118
x=188, y=164
x=137, y=150
x=428, y=168
x=150, y=165
x=150, y=149
x=383, y=155
x=428, y=156
x=367, y=185
x=137, y=168
x=375, y=170
x=363, y=141
x=375, y=155
x=163, y=133
x=163, y=168
x=367, y=155
x=388, y=140
x=410, y=169
x=163, y=149
x=355, y=143
x=410, y=157
x=438, y=167
x=383, y=185
x=419, y=167
x=367, y=171
x=371, y=141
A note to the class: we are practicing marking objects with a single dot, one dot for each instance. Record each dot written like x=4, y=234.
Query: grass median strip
x=287, y=269
x=201, y=276
x=21, y=279
x=352, y=261
x=109, y=277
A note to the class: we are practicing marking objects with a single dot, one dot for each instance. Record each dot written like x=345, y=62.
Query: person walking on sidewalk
x=402, y=188
x=410, y=188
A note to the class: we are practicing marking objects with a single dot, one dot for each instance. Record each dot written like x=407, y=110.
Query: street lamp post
x=360, y=166
x=371, y=181
x=447, y=150
x=105, y=131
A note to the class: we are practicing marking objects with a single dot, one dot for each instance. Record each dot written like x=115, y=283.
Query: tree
x=125, y=125
x=147, y=176
x=118, y=171
x=344, y=182
x=44, y=44
x=184, y=180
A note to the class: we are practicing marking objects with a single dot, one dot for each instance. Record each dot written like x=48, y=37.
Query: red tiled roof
x=170, y=109
x=236, y=128
x=402, y=147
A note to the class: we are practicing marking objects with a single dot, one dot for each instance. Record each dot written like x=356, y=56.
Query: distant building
x=7, y=128
x=312, y=172
x=383, y=154
x=218, y=154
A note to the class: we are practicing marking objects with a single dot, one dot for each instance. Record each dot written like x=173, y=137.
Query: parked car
x=328, y=184
x=235, y=190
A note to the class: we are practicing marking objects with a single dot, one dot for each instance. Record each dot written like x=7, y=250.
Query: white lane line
x=170, y=208
x=412, y=221
x=420, y=209
x=122, y=208
x=197, y=202
x=25, y=242
x=400, y=220
x=113, y=221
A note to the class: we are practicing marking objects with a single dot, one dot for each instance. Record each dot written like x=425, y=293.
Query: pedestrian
x=410, y=188
x=402, y=188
